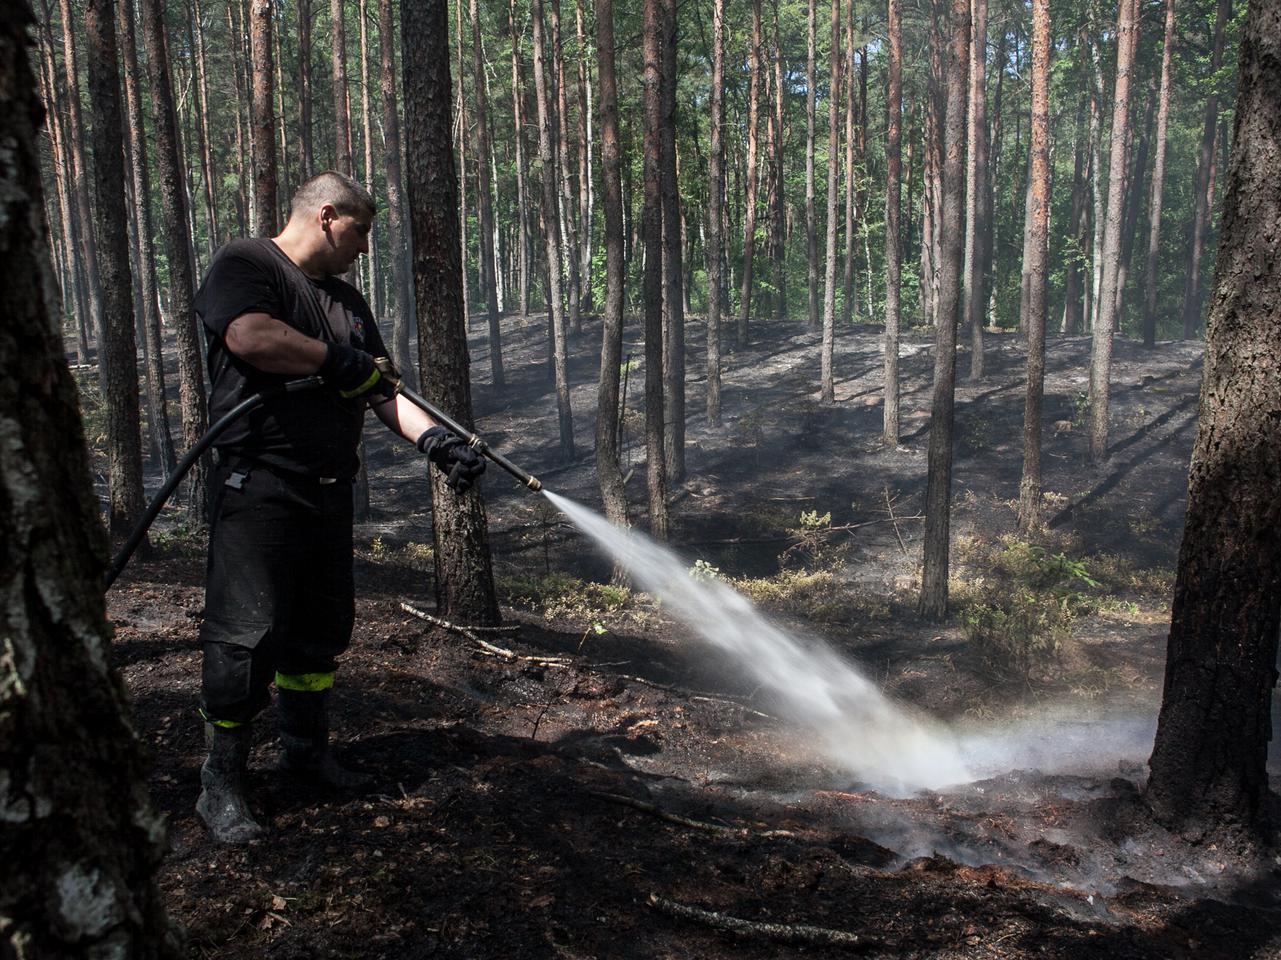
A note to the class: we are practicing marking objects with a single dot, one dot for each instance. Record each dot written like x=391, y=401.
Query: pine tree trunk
x=1105, y=325
x=1029, y=510
x=938, y=495
x=484, y=203
x=173, y=236
x=1096, y=177
x=82, y=840
x=811, y=231
x=1158, y=178
x=828, y=385
x=849, y=292
x=372, y=288
x=338, y=73
x=673, y=290
x=715, y=214
x=306, y=139
x=547, y=162
x=1209, y=763
x=403, y=319
x=1134, y=192
x=893, y=269
x=264, y=120
x=206, y=158
x=656, y=474
x=124, y=440
x=778, y=230
x=460, y=123
x=157, y=406
x=1073, y=303
x=608, y=471
x=518, y=121
x=464, y=571
x=975, y=184
x=241, y=201
x=742, y=333
x=566, y=171
x=584, y=168
x=1204, y=191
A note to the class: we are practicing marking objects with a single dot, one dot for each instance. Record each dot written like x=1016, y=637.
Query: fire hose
x=198, y=449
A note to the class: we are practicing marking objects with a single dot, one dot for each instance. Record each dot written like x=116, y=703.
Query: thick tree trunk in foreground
x=828, y=385
x=715, y=214
x=1101, y=356
x=1209, y=769
x=264, y=120
x=402, y=297
x=608, y=471
x=464, y=573
x=741, y=333
x=485, y=205
x=81, y=841
x=893, y=242
x=1030, y=485
x=938, y=495
x=551, y=223
x=1158, y=178
x=174, y=236
x=124, y=435
x=656, y=471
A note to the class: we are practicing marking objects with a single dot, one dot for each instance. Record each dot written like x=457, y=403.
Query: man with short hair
x=279, y=598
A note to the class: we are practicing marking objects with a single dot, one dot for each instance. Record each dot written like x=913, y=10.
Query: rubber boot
x=222, y=805
x=304, y=734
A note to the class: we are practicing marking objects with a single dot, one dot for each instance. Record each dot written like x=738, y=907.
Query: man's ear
x=327, y=215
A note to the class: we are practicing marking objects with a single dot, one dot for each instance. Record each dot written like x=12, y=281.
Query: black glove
x=353, y=372
x=452, y=456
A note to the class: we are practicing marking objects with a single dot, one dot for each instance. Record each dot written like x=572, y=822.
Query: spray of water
x=878, y=742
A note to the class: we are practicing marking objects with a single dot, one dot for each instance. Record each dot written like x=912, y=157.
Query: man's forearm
x=404, y=418
x=273, y=346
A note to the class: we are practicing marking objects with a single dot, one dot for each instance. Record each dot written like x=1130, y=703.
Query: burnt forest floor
x=598, y=783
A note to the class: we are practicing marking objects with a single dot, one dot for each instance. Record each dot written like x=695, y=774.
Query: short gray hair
x=347, y=195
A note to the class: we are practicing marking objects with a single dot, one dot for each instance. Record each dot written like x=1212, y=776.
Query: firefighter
x=279, y=594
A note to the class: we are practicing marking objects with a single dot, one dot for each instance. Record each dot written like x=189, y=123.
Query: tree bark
x=403, y=319
x=1204, y=191
x=975, y=188
x=566, y=170
x=811, y=232
x=938, y=496
x=338, y=72
x=742, y=332
x=124, y=441
x=206, y=158
x=174, y=237
x=1158, y=179
x=608, y=470
x=1209, y=762
x=464, y=570
x=518, y=121
x=484, y=203
x=306, y=140
x=1029, y=511
x=240, y=199
x=828, y=385
x=778, y=229
x=1105, y=325
x=715, y=214
x=673, y=290
x=652, y=217
x=551, y=221
x=849, y=292
x=372, y=290
x=586, y=298
x=264, y=119
x=893, y=275
x=157, y=406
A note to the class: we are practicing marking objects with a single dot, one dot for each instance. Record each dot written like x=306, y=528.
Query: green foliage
x=560, y=595
x=814, y=546
x=702, y=571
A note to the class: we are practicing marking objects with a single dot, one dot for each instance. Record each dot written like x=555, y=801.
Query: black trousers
x=279, y=596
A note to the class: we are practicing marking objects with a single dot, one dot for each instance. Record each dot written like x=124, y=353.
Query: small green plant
x=813, y=544
x=1080, y=409
x=1021, y=635
x=702, y=571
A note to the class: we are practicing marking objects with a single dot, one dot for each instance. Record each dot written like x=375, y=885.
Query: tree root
x=783, y=932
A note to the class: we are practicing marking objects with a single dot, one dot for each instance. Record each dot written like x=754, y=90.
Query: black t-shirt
x=314, y=432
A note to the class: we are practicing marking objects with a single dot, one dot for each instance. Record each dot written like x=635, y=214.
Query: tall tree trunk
x=742, y=335
x=338, y=72
x=1101, y=355
x=82, y=177
x=460, y=124
x=464, y=570
x=673, y=292
x=306, y=142
x=1030, y=486
x=566, y=169
x=931, y=164
x=584, y=167
x=398, y=255
x=206, y=157
x=938, y=495
x=656, y=471
x=174, y=237
x=124, y=439
x=975, y=188
x=1204, y=205
x=778, y=230
x=372, y=287
x=811, y=231
x=1134, y=191
x=1209, y=762
x=264, y=120
x=82, y=841
x=240, y=199
x=608, y=471
x=547, y=162
x=518, y=121
x=1096, y=173
x=715, y=213
x=1073, y=303
x=484, y=202
x=140, y=178
x=828, y=386
x=1158, y=178
x=893, y=276
x=849, y=292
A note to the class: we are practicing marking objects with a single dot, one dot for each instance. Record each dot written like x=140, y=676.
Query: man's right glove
x=353, y=372
x=452, y=456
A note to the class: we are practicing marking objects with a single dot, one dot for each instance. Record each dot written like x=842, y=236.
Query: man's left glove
x=354, y=373
x=452, y=456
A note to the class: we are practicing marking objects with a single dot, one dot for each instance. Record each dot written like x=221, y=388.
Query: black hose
x=194, y=454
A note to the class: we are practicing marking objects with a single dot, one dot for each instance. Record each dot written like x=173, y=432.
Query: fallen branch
x=695, y=695
x=784, y=932
x=456, y=627
x=889, y=506
x=484, y=646
x=715, y=828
